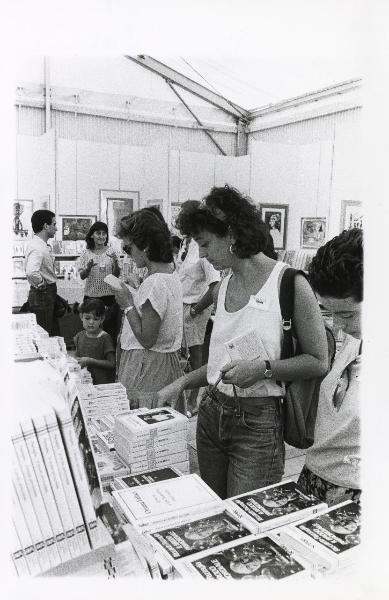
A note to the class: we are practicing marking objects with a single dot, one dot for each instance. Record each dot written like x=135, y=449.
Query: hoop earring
x=232, y=249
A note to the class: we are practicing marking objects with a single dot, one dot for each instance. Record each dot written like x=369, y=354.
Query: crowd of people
x=225, y=260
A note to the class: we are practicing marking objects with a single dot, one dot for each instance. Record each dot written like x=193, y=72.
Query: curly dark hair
x=337, y=268
x=225, y=210
x=97, y=226
x=147, y=229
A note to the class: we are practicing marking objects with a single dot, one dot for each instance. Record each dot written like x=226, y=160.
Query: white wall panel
x=66, y=177
x=35, y=169
x=196, y=175
x=132, y=168
x=97, y=168
x=155, y=183
x=233, y=170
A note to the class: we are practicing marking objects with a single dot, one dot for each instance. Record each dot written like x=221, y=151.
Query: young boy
x=94, y=347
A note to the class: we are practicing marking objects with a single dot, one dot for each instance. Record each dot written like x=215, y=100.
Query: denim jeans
x=239, y=452
x=42, y=302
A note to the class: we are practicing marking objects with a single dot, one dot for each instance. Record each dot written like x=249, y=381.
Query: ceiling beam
x=189, y=85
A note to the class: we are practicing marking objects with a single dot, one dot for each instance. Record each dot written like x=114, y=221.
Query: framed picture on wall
x=114, y=205
x=351, y=215
x=75, y=227
x=276, y=217
x=158, y=203
x=21, y=225
x=175, y=208
x=313, y=232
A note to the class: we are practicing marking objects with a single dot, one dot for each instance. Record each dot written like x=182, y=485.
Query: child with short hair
x=94, y=347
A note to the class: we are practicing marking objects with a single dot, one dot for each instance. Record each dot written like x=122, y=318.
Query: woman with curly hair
x=152, y=325
x=239, y=429
x=198, y=278
x=332, y=467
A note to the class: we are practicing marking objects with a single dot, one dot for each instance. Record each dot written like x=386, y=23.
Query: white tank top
x=262, y=318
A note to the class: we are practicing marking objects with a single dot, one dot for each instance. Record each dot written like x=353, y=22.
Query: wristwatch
x=127, y=310
x=268, y=374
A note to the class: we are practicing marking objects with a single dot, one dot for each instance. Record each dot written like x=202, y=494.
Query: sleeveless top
x=336, y=454
x=259, y=323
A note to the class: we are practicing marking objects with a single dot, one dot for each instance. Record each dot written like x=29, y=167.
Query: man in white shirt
x=40, y=272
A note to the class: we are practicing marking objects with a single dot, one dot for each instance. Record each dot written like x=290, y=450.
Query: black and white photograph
x=168, y=202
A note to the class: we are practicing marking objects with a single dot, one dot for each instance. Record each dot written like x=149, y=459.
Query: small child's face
x=91, y=322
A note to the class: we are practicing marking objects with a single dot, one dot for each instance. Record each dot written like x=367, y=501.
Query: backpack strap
x=287, y=310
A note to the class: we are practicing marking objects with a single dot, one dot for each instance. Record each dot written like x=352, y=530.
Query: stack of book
x=331, y=540
x=53, y=516
x=273, y=506
x=104, y=399
x=149, y=439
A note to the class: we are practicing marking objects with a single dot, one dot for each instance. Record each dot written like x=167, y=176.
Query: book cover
x=165, y=501
x=45, y=488
x=24, y=537
x=334, y=535
x=129, y=481
x=108, y=464
x=261, y=558
x=150, y=423
x=197, y=535
x=67, y=481
x=33, y=490
x=274, y=505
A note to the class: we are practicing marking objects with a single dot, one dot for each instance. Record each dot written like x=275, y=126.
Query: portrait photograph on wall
x=276, y=217
x=22, y=212
x=175, y=208
x=157, y=203
x=313, y=232
x=75, y=228
x=351, y=215
x=114, y=205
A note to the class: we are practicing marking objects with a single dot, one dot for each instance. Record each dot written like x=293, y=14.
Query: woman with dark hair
x=332, y=467
x=95, y=263
x=198, y=278
x=152, y=326
x=239, y=429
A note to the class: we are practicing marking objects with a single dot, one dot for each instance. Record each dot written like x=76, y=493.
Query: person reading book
x=94, y=347
x=332, y=466
x=239, y=429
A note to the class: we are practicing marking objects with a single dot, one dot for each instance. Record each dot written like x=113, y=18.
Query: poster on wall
x=22, y=213
x=157, y=203
x=313, y=232
x=75, y=227
x=114, y=205
x=351, y=215
x=276, y=217
x=175, y=208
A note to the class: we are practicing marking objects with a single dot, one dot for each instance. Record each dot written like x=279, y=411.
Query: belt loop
x=237, y=408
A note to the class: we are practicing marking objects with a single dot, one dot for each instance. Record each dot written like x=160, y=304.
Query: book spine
x=17, y=554
x=46, y=490
x=34, y=493
x=67, y=482
x=79, y=477
x=56, y=485
x=24, y=537
x=30, y=517
x=147, y=452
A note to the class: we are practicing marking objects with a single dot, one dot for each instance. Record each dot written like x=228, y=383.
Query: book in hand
x=165, y=503
x=274, y=505
x=330, y=540
x=215, y=528
x=130, y=481
x=259, y=558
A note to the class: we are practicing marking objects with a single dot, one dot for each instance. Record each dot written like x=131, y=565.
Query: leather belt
x=239, y=403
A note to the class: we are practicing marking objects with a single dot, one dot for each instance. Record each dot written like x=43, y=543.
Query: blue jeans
x=238, y=450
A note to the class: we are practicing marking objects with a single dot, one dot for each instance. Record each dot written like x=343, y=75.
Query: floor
x=294, y=458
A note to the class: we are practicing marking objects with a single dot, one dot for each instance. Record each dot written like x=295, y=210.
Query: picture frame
x=158, y=203
x=115, y=204
x=313, y=232
x=21, y=224
x=351, y=215
x=74, y=228
x=276, y=218
x=175, y=208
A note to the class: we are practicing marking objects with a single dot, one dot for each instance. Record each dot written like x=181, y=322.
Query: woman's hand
x=170, y=394
x=243, y=373
x=133, y=280
x=124, y=297
x=90, y=264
